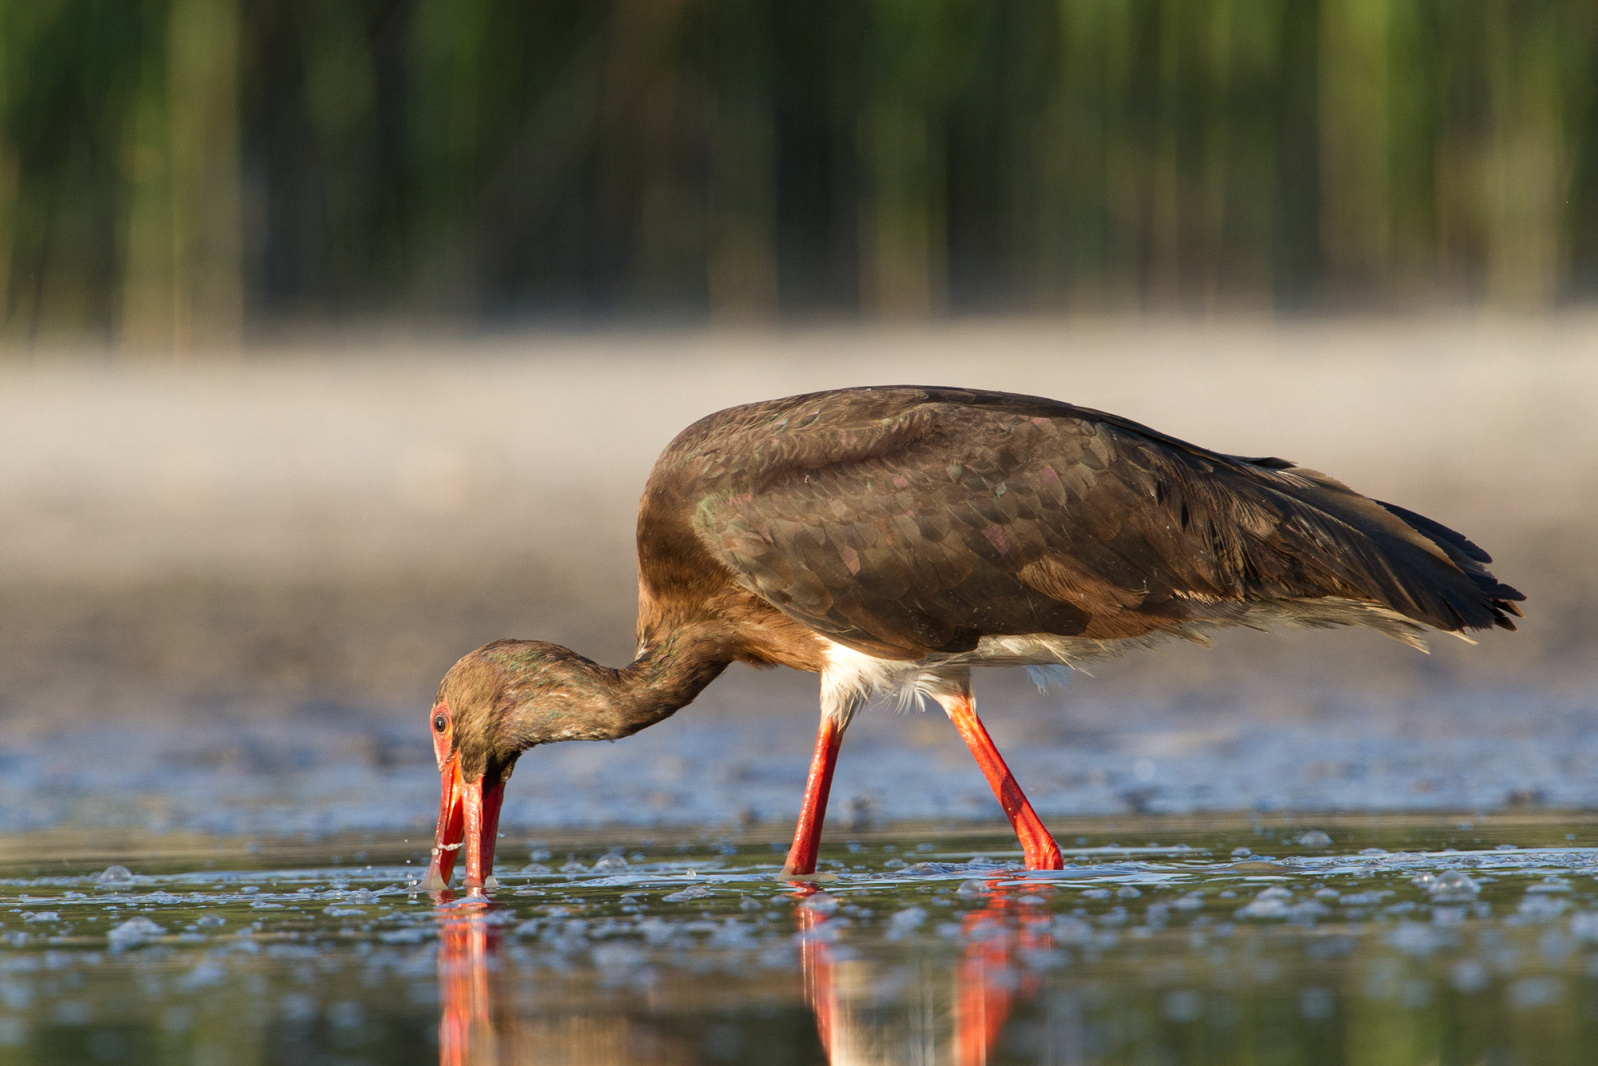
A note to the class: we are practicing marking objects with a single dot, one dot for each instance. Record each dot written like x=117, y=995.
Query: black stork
x=890, y=539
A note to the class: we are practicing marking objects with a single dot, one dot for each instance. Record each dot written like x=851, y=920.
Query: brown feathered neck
x=510, y=695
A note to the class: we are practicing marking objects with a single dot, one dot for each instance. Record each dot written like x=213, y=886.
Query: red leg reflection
x=989, y=982
x=467, y=944
x=815, y=962
x=988, y=979
x=1037, y=845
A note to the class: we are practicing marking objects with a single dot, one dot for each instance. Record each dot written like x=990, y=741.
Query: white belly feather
x=851, y=677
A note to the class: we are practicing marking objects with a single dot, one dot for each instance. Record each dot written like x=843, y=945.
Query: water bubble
x=691, y=892
x=533, y=869
x=207, y=973
x=114, y=876
x=1584, y=926
x=1529, y=993
x=1127, y=892
x=611, y=864
x=345, y=1015
x=1273, y=902
x=618, y=960
x=1181, y=1006
x=298, y=1007
x=1314, y=838
x=573, y=868
x=895, y=864
x=821, y=903
x=1241, y=853
x=1453, y=886
x=904, y=922
x=1413, y=938
x=134, y=931
x=1469, y=976
x=1315, y=1004
x=1069, y=929
x=1554, y=945
x=974, y=887
x=1541, y=908
x=1365, y=899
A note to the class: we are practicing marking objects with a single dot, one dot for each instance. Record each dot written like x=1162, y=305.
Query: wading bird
x=890, y=539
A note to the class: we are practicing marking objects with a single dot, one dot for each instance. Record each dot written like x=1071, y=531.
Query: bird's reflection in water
x=844, y=991
x=865, y=1011
x=468, y=945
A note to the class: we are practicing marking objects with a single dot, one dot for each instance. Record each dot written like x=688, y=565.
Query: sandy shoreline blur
x=338, y=523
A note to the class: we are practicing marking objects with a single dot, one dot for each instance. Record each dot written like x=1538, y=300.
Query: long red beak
x=468, y=815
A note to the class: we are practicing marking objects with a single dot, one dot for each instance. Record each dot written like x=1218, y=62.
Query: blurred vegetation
x=171, y=170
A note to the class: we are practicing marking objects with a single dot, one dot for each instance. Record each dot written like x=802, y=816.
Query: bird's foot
x=1042, y=854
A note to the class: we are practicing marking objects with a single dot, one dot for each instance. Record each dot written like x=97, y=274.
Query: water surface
x=1341, y=940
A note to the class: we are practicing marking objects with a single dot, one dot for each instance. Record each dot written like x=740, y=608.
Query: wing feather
x=907, y=521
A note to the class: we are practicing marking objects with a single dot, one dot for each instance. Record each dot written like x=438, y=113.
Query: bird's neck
x=667, y=677
x=608, y=704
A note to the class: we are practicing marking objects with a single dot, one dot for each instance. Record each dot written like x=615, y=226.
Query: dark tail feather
x=1470, y=558
x=1406, y=561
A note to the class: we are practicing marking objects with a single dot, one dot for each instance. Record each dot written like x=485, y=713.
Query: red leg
x=813, y=809
x=1039, y=848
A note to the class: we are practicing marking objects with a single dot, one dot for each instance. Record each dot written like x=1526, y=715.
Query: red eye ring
x=440, y=723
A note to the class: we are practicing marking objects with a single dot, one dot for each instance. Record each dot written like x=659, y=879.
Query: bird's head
x=494, y=704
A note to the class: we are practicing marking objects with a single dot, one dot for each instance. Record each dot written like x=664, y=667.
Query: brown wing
x=908, y=520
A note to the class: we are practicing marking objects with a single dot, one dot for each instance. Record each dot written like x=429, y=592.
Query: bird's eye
x=440, y=723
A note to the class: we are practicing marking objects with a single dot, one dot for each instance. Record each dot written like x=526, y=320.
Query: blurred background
x=181, y=173
x=337, y=337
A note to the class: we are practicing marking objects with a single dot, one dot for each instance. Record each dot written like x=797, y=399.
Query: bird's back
x=910, y=522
